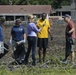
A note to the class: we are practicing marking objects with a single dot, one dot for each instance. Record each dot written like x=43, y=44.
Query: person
x=43, y=35
x=1, y=36
x=70, y=38
x=32, y=31
x=17, y=39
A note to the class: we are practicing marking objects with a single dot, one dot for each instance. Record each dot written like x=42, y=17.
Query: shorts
x=42, y=42
x=70, y=45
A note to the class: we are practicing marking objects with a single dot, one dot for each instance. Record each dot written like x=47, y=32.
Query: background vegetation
x=54, y=3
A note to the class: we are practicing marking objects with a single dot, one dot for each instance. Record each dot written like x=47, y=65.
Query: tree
x=55, y=3
x=4, y=2
x=58, y=3
x=45, y=2
x=14, y=2
x=66, y=2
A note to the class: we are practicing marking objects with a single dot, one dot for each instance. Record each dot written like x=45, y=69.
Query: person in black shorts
x=43, y=36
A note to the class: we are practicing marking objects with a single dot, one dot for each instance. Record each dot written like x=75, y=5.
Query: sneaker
x=64, y=61
x=34, y=63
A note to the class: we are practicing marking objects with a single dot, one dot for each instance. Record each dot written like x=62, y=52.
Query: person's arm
x=24, y=35
x=10, y=40
x=50, y=34
x=1, y=34
x=72, y=27
x=11, y=36
x=37, y=29
x=50, y=31
x=71, y=30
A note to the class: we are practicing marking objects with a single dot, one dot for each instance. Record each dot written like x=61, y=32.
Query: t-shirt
x=44, y=32
x=32, y=30
x=1, y=34
x=17, y=33
x=69, y=27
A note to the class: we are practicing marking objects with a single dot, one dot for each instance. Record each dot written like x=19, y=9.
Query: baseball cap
x=66, y=15
x=18, y=20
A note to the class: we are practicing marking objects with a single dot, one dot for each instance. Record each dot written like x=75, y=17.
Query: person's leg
x=34, y=43
x=39, y=52
x=45, y=44
x=28, y=51
x=72, y=56
x=66, y=55
x=68, y=50
x=72, y=52
x=44, y=54
x=39, y=44
x=27, y=54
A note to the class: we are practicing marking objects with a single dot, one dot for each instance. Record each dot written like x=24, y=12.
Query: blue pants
x=32, y=42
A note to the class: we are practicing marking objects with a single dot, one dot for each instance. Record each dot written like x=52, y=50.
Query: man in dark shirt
x=70, y=38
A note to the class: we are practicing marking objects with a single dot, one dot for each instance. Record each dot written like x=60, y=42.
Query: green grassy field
x=38, y=71
x=55, y=53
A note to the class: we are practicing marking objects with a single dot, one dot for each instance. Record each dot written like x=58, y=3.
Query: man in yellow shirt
x=43, y=35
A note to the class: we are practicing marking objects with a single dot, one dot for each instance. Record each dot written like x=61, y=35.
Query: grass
x=55, y=53
x=37, y=71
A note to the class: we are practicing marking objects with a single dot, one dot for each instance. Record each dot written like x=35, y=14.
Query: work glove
x=23, y=41
x=10, y=42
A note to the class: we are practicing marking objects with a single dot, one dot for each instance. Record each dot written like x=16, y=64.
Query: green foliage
x=15, y=2
x=58, y=3
x=2, y=2
x=66, y=2
x=55, y=3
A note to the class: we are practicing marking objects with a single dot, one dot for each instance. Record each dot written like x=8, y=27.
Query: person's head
x=18, y=22
x=43, y=16
x=67, y=18
x=30, y=18
x=2, y=20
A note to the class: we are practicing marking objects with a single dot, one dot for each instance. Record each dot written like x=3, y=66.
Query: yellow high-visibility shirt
x=44, y=32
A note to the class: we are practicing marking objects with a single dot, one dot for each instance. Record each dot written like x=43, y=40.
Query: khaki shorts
x=70, y=44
